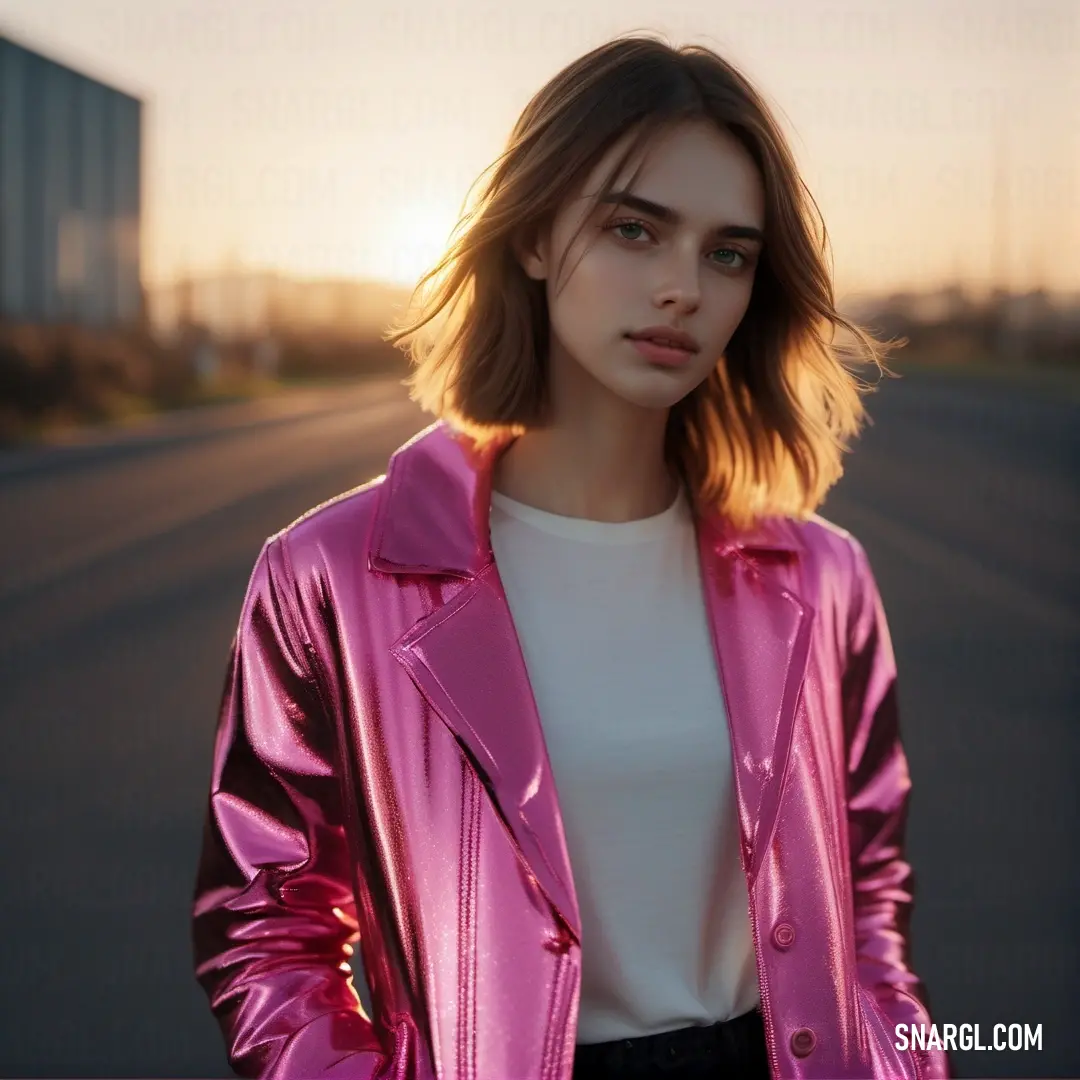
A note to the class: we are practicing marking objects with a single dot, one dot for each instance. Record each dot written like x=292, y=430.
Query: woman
x=580, y=720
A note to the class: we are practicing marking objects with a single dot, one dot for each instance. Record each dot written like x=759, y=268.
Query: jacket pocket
x=887, y=1060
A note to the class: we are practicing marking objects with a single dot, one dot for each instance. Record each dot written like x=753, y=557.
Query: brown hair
x=764, y=434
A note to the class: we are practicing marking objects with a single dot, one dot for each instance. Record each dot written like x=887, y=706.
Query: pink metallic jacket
x=380, y=775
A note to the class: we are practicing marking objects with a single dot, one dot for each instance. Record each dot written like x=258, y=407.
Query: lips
x=664, y=355
x=667, y=337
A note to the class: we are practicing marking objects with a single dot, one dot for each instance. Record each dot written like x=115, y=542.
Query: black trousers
x=730, y=1049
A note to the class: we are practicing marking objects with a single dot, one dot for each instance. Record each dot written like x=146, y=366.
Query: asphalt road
x=122, y=569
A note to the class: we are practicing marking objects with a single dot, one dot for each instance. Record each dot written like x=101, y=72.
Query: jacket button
x=803, y=1042
x=558, y=943
x=783, y=935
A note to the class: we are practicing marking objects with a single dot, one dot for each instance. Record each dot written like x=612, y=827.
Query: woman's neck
x=595, y=472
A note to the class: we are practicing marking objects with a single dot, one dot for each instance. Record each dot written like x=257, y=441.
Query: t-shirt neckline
x=585, y=529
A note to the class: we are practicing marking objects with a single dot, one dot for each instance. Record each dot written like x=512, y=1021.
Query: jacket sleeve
x=878, y=787
x=274, y=917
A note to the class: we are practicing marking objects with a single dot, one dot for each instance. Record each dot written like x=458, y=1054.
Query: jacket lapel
x=761, y=635
x=465, y=658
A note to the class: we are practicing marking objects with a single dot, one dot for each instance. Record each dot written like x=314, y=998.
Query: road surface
x=122, y=568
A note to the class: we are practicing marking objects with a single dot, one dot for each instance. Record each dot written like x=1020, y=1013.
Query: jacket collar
x=433, y=515
x=433, y=518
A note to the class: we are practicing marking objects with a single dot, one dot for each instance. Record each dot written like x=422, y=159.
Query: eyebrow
x=673, y=217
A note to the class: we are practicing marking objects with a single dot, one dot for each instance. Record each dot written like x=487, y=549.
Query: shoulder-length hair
x=764, y=434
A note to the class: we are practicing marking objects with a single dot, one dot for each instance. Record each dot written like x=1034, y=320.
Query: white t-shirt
x=614, y=630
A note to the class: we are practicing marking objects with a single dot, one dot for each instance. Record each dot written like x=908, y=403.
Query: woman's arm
x=878, y=788
x=275, y=913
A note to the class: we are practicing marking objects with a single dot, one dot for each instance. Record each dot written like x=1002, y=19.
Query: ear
x=531, y=250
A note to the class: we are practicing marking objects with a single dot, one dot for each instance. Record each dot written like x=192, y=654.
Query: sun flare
x=416, y=237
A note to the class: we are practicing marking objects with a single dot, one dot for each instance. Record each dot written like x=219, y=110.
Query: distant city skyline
x=339, y=139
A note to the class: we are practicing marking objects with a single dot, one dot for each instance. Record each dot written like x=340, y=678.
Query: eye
x=730, y=259
x=627, y=223
x=736, y=261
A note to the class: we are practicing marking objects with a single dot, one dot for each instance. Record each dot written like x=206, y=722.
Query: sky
x=340, y=137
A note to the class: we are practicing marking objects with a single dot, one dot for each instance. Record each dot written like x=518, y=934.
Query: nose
x=680, y=287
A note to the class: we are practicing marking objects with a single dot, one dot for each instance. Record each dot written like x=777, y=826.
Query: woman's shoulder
x=820, y=534
x=833, y=553
x=334, y=529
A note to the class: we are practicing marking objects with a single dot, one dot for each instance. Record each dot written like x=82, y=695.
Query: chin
x=653, y=398
x=657, y=389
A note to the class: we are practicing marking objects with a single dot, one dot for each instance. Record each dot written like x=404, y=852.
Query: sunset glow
x=414, y=239
x=324, y=139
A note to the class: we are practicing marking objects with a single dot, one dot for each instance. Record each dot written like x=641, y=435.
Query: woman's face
x=686, y=262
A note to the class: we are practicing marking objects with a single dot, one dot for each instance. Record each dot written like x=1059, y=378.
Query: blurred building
x=237, y=304
x=70, y=194
x=951, y=324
